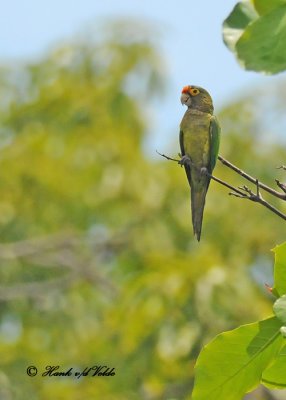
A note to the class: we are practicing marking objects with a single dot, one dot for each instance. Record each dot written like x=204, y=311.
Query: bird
x=199, y=142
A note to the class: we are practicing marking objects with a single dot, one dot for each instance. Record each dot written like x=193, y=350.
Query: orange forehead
x=186, y=89
x=191, y=90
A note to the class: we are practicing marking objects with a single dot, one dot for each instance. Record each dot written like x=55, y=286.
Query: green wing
x=215, y=140
x=187, y=168
x=181, y=138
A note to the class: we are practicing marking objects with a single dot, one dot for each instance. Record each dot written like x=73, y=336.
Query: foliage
x=72, y=128
x=236, y=362
x=255, y=353
x=256, y=32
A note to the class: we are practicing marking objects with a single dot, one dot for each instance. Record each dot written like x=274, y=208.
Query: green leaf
x=236, y=22
x=262, y=45
x=258, y=39
x=274, y=376
x=236, y=359
x=264, y=6
x=279, y=309
x=280, y=269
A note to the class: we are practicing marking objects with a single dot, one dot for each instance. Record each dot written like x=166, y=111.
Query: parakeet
x=199, y=142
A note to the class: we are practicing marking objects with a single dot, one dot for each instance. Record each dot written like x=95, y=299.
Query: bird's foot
x=185, y=160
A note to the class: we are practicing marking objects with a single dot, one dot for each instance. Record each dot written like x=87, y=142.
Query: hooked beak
x=185, y=99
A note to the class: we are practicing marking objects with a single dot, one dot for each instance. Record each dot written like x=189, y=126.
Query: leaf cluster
x=236, y=362
x=256, y=31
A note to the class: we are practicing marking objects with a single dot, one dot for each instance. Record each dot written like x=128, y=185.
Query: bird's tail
x=198, y=198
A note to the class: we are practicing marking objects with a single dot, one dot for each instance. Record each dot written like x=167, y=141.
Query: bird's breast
x=195, y=127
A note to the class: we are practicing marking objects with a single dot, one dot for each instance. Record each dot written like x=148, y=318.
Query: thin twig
x=281, y=185
x=268, y=189
x=243, y=191
x=257, y=198
x=58, y=251
x=220, y=181
x=272, y=208
x=167, y=157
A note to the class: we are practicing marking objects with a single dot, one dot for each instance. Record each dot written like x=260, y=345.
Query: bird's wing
x=181, y=138
x=215, y=140
x=187, y=168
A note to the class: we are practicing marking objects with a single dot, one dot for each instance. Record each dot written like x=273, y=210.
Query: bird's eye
x=194, y=92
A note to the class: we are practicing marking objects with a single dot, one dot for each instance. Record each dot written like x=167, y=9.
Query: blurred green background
x=98, y=261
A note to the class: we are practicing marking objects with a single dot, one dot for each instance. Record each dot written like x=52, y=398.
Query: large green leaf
x=262, y=45
x=264, y=6
x=236, y=359
x=235, y=24
x=274, y=376
x=258, y=42
x=280, y=269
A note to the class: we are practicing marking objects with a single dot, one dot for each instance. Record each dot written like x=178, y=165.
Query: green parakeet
x=199, y=142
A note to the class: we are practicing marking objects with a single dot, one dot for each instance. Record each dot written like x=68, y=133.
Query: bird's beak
x=185, y=97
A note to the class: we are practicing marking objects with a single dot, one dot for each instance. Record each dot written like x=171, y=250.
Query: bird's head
x=195, y=97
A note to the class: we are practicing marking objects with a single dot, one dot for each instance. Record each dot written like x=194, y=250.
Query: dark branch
x=77, y=258
x=257, y=198
x=220, y=181
x=167, y=157
x=223, y=183
x=281, y=185
x=268, y=189
x=244, y=192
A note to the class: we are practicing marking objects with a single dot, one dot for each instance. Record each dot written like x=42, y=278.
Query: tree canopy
x=99, y=264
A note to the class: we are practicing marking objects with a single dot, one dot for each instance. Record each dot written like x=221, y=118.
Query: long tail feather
x=198, y=198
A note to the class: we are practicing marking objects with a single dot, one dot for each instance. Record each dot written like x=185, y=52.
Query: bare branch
x=244, y=192
x=30, y=247
x=268, y=189
x=35, y=289
x=208, y=174
x=77, y=256
x=167, y=157
x=281, y=185
x=223, y=183
x=257, y=198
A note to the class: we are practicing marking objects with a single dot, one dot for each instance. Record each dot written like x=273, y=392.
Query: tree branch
x=168, y=158
x=76, y=256
x=244, y=192
x=257, y=198
x=281, y=185
x=268, y=189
